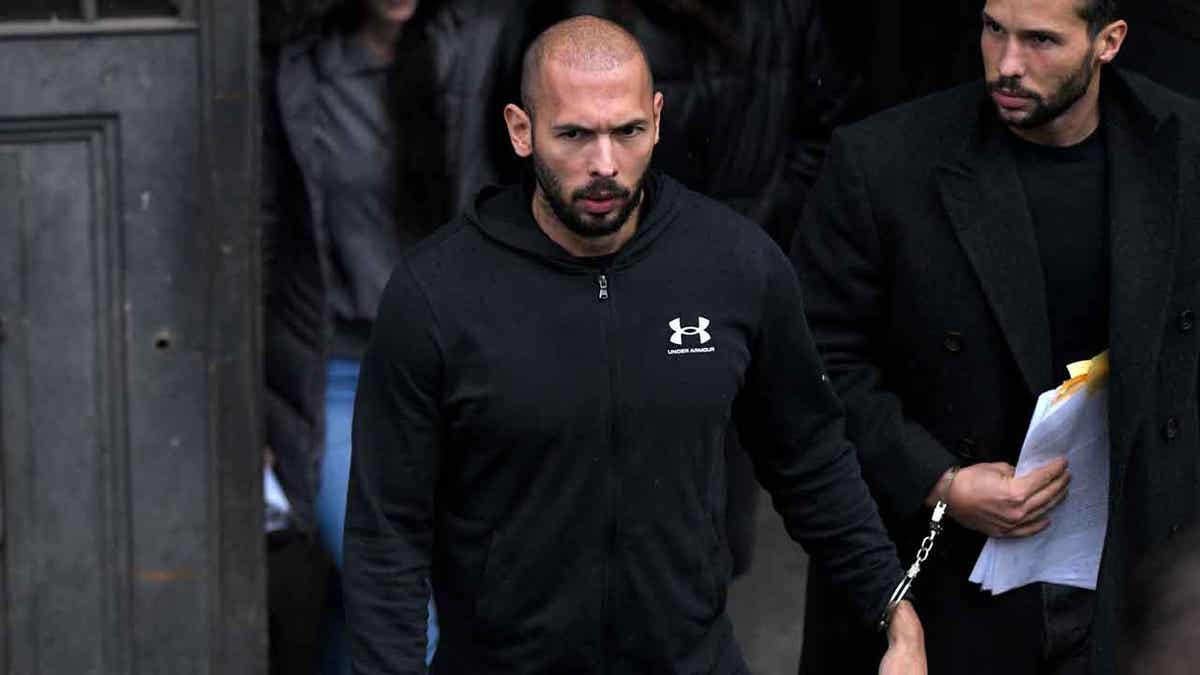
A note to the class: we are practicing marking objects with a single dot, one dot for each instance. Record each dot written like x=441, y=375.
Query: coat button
x=1175, y=528
x=953, y=342
x=968, y=448
x=1171, y=429
x=1187, y=321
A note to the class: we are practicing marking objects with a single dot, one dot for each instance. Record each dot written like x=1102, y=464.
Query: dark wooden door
x=130, y=468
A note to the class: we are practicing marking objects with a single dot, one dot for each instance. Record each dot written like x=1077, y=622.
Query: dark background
x=903, y=50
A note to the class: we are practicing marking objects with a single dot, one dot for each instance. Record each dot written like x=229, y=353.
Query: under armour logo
x=680, y=330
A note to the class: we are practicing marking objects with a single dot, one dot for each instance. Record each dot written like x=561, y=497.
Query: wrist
x=941, y=489
x=905, y=626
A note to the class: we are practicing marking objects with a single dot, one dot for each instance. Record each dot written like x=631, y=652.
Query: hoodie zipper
x=613, y=488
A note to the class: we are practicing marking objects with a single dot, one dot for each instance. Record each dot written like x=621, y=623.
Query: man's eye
x=1042, y=40
x=629, y=131
x=992, y=27
x=570, y=134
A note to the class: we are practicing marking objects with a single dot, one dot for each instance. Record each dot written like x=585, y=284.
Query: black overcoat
x=925, y=292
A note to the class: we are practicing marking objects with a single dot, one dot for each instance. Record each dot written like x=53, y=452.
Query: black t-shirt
x=1067, y=193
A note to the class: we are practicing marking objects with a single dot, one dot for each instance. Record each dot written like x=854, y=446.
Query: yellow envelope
x=1093, y=373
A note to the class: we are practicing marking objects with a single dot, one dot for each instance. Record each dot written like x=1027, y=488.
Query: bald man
x=540, y=421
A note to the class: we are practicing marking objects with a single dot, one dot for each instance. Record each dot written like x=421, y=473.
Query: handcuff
x=935, y=528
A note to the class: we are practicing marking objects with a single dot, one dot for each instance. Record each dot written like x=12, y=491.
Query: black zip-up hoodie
x=540, y=437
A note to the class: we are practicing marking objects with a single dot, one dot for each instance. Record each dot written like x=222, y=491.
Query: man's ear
x=658, y=106
x=520, y=129
x=1111, y=39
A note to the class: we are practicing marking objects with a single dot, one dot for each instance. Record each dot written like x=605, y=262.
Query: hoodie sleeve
x=792, y=424
x=397, y=439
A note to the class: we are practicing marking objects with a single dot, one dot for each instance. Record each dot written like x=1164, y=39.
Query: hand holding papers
x=1070, y=421
x=988, y=498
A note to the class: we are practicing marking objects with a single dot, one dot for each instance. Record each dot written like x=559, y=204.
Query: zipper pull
x=603, y=280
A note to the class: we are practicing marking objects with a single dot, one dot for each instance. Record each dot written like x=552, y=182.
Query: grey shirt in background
x=356, y=146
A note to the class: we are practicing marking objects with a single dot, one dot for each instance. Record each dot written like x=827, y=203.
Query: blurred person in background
x=371, y=140
x=752, y=91
x=901, y=51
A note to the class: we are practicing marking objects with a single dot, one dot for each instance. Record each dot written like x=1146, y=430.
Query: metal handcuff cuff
x=935, y=528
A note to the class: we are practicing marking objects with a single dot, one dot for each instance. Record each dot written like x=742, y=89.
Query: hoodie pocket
x=715, y=552
x=513, y=592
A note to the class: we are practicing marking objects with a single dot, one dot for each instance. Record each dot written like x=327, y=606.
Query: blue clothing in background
x=331, y=507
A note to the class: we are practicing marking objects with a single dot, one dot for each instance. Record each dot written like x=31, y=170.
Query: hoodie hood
x=505, y=215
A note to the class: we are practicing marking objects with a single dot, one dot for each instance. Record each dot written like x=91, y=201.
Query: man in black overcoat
x=956, y=254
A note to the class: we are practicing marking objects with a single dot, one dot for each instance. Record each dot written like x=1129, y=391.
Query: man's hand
x=906, y=644
x=988, y=498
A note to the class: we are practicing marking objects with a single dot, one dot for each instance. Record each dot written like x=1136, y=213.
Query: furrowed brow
x=639, y=122
x=1041, y=33
x=560, y=128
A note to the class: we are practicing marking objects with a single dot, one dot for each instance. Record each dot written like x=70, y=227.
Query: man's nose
x=1012, y=59
x=603, y=159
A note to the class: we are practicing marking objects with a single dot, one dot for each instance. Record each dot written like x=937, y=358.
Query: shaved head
x=593, y=135
x=585, y=43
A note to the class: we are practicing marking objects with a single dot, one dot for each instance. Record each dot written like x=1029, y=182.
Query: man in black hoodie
x=542, y=410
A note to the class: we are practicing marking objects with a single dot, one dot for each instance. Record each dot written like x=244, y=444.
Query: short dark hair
x=1098, y=14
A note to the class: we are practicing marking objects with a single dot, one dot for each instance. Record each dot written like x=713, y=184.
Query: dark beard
x=1049, y=109
x=561, y=206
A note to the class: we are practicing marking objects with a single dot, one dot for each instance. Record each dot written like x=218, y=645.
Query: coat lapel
x=1143, y=194
x=983, y=196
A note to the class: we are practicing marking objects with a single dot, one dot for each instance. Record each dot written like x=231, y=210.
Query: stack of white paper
x=1068, y=551
x=278, y=506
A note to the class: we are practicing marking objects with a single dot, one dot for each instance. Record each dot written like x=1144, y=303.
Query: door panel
x=63, y=453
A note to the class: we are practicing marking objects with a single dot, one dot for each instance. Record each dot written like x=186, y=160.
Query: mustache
x=1010, y=86
x=602, y=188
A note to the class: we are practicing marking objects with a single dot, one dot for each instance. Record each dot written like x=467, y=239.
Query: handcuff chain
x=923, y=552
x=935, y=528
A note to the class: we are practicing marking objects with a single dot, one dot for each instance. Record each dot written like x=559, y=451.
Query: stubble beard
x=1046, y=110
x=561, y=205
